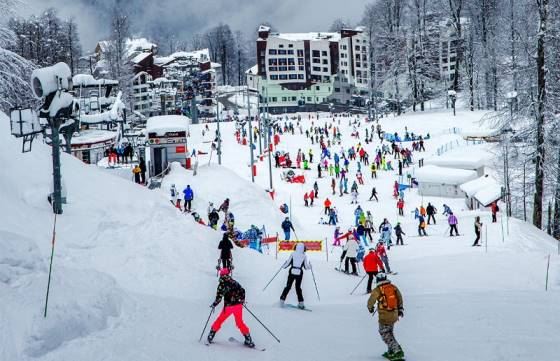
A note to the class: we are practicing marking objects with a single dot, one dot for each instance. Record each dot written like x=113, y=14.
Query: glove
x=371, y=309
x=401, y=313
x=213, y=305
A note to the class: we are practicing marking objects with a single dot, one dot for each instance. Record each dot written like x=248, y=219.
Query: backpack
x=497, y=208
x=388, y=300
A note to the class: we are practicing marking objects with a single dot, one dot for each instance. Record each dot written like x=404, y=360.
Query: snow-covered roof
x=91, y=136
x=138, y=44
x=252, y=70
x=489, y=194
x=140, y=57
x=163, y=60
x=162, y=124
x=88, y=80
x=263, y=28
x=308, y=36
x=215, y=65
x=475, y=185
x=441, y=175
x=471, y=157
x=200, y=55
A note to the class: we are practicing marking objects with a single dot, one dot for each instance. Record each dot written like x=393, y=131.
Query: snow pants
x=371, y=276
x=188, y=205
x=385, y=261
x=351, y=260
x=432, y=217
x=386, y=332
x=237, y=311
x=287, y=235
x=291, y=278
x=453, y=227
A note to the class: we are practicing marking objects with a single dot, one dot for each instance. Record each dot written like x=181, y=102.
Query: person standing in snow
x=174, y=197
x=477, y=230
x=495, y=209
x=399, y=232
x=213, y=218
x=446, y=210
x=431, y=211
x=372, y=265
x=224, y=207
x=349, y=254
x=286, y=227
x=189, y=196
x=297, y=262
x=373, y=194
x=382, y=253
x=136, y=171
x=234, y=298
x=354, y=195
x=225, y=246
x=421, y=226
x=400, y=206
x=306, y=199
x=142, y=165
x=319, y=170
x=390, y=308
x=311, y=197
x=316, y=189
x=333, y=186
x=452, y=220
x=327, y=205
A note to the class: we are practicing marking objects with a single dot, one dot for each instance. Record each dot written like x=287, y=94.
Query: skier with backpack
x=297, y=262
x=372, y=265
x=390, y=308
x=225, y=246
x=234, y=298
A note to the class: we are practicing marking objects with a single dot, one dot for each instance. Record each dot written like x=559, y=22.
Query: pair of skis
x=236, y=341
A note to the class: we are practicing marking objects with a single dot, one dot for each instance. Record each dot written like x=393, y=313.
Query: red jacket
x=305, y=196
x=327, y=203
x=380, y=249
x=312, y=194
x=400, y=204
x=372, y=262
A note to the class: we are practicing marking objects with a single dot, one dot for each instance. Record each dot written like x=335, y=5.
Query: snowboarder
x=372, y=266
x=286, y=227
x=349, y=254
x=477, y=230
x=297, y=262
x=431, y=211
x=189, y=196
x=225, y=246
x=452, y=220
x=390, y=308
x=234, y=298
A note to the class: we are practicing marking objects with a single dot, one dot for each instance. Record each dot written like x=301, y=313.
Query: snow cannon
x=48, y=80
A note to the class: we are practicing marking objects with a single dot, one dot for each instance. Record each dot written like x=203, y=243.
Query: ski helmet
x=380, y=277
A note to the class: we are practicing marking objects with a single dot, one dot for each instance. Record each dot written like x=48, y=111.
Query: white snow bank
x=88, y=80
x=470, y=157
x=441, y=175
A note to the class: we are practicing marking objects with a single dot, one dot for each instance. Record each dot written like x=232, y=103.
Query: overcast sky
x=185, y=17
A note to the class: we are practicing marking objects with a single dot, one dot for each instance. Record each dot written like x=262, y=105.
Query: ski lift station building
x=442, y=182
x=166, y=137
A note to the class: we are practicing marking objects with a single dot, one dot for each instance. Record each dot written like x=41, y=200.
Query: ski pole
x=262, y=324
x=206, y=324
x=358, y=285
x=272, y=279
x=374, y=311
x=315, y=282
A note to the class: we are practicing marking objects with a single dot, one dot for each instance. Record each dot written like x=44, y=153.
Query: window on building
x=291, y=68
x=272, y=61
x=357, y=47
x=325, y=61
x=325, y=70
x=274, y=77
x=300, y=61
x=274, y=99
x=316, y=53
x=272, y=51
x=309, y=99
x=317, y=87
x=291, y=61
x=316, y=61
x=281, y=45
x=283, y=76
x=282, y=61
x=300, y=53
x=316, y=68
x=324, y=53
x=282, y=68
x=293, y=76
x=363, y=48
x=290, y=45
x=284, y=99
x=300, y=76
x=347, y=91
x=281, y=51
x=290, y=52
x=294, y=99
x=358, y=65
x=272, y=68
x=301, y=68
x=337, y=90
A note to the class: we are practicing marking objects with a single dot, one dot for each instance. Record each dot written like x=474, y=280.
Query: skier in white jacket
x=350, y=251
x=297, y=262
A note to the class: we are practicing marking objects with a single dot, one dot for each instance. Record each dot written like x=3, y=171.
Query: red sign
x=180, y=149
x=310, y=246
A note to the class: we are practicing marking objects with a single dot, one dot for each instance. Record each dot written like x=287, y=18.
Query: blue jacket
x=189, y=194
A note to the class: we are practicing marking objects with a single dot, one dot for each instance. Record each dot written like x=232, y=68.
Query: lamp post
x=250, y=134
x=219, y=133
x=511, y=97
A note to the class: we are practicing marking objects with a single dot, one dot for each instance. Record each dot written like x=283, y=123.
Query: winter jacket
x=351, y=248
x=298, y=260
x=452, y=220
x=360, y=230
x=398, y=230
x=225, y=246
x=231, y=291
x=400, y=204
x=430, y=210
x=386, y=317
x=372, y=262
x=189, y=194
x=287, y=225
x=380, y=250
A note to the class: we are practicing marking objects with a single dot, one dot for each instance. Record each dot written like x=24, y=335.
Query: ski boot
x=397, y=356
x=211, y=335
x=386, y=354
x=301, y=305
x=249, y=341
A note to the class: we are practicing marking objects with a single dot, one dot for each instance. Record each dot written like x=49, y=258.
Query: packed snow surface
x=133, y=277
